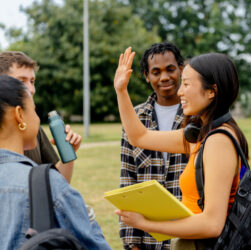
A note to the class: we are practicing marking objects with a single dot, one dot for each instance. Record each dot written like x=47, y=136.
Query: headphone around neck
x=192, y=130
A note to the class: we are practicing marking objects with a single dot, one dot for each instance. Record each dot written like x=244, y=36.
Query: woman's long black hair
x=12, y=94
x=217, y=69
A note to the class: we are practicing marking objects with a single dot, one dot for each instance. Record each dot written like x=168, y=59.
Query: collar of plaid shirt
x=148, y=110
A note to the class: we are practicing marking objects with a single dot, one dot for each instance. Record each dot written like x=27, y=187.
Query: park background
x=53, y=36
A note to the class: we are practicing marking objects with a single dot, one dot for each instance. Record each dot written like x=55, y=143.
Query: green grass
x=97, y=170
x=97, y=132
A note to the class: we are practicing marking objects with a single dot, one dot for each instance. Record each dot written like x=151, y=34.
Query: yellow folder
x=150, y=199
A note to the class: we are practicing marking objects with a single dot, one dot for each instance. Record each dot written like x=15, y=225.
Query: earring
x=22, y=126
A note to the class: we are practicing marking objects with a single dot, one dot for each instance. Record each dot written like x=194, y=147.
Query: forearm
x=140, y=136
x=132, y=125
x=195, y=227
x=66, y=169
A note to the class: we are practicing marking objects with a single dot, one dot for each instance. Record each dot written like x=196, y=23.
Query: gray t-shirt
x=165, y=115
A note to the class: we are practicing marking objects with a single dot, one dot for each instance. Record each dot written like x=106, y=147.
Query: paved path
x=100, y=144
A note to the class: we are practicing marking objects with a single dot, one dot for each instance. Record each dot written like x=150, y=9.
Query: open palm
x=124, y=70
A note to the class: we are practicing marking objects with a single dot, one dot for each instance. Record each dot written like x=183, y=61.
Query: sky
x=11, y=16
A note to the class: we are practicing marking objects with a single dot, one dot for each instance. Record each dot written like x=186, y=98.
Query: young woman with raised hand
x=208, y=89
x=19, y=125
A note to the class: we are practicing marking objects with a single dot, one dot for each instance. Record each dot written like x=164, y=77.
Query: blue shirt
x=69, y=207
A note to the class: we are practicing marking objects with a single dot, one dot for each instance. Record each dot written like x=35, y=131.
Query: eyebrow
x=185, y=79
x=168, y=66
x=25, y=77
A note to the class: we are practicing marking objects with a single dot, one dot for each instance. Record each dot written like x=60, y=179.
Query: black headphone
x=192, y=130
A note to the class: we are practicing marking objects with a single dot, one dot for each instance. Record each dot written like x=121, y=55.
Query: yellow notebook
x=152, y=200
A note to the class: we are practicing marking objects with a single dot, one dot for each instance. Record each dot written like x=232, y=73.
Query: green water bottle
x=57, y=128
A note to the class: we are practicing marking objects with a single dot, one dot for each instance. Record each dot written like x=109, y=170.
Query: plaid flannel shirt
x=139, y=165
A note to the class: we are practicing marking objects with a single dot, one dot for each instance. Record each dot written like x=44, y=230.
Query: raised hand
x=124, y=70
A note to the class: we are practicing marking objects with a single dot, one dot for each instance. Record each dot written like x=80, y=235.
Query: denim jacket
x=69, y=207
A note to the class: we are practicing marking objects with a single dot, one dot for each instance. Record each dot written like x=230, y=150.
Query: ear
x=19, y=114
x=211, y=93
x=147, y=78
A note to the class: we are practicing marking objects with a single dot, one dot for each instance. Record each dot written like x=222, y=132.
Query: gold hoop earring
x=22, y=126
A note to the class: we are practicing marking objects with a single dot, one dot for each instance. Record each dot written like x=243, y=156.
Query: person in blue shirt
x=19, y=126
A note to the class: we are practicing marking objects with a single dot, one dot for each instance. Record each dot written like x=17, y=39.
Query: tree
x=55, y=40
x=197, y=27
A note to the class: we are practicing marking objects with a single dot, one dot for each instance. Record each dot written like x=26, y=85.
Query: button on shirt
x=69, y=207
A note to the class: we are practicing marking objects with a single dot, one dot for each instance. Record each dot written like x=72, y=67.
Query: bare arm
x=220, y=161
x=139, y=136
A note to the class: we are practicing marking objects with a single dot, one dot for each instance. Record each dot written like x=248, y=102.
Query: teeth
x=183, y=102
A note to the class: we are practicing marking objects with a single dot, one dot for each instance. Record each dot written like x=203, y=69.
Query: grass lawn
x=97, y=170
x=97, y=132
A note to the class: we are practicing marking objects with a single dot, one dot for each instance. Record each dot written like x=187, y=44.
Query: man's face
x=25, y=75
x=164, y=77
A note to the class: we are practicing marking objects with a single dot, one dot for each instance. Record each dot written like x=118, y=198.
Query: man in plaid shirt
x=161, y=65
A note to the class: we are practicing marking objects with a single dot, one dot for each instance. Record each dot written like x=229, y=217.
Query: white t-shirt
x=165, y=116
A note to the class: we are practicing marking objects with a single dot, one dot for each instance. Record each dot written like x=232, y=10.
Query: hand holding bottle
x=73, y=138
x=62, y=140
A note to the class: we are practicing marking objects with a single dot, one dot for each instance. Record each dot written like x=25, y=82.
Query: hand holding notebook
x=151, y=200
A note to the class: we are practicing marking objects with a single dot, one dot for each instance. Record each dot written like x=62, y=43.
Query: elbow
x=138, y=139
x=133, y=141
x=215, y=229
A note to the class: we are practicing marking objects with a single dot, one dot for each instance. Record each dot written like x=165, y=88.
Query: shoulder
x=16, y=175
x=60, y=188
x=221, y=138
x=220, y=146
x=57, y=181
x=140, y=107
x=146, y=106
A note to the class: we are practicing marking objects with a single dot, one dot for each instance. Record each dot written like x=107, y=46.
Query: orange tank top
x=188, y=187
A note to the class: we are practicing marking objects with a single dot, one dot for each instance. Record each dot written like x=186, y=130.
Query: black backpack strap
x=41, y=206
x=199, y=175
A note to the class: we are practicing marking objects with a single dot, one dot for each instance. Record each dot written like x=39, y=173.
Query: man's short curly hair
x=159, y=48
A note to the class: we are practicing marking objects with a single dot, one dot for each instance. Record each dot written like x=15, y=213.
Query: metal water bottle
x=57, y=128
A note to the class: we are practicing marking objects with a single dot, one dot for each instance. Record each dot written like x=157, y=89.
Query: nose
x=164, y=77
x=180, y=91
x=31, y=88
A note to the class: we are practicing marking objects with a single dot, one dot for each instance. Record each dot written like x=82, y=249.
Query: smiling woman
x=209, y=87
x=193, y=97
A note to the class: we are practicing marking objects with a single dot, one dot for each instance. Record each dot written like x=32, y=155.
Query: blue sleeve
x=71, y=214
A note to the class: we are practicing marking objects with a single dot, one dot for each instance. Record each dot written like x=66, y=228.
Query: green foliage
x=198, y=27
x=55, y=39
x=56, y=42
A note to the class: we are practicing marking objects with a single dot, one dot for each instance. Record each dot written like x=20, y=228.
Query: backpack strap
x=41, y=206
x=199, y=175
